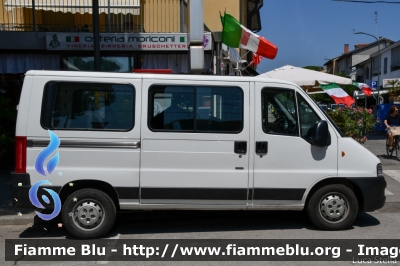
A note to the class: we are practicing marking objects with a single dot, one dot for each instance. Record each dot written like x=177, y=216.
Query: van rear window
x=88, y=106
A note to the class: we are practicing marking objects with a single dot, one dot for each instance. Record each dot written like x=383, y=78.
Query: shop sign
x=123, y=41
x=386, y=82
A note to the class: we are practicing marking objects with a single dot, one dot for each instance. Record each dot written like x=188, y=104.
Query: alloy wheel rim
x=333, y=207
x=88, y=214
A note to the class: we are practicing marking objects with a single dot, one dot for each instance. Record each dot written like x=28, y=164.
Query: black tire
x=333, y=207
x=88, y=213
x=395, y=147
x=389, y=153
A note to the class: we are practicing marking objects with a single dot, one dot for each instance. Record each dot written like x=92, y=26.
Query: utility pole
x=379, y=59
x=96, y=35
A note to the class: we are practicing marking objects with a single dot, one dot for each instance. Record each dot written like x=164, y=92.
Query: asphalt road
x=381, y=224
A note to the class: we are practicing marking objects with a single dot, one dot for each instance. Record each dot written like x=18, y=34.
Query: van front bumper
x=20, y=185
x=372, y=191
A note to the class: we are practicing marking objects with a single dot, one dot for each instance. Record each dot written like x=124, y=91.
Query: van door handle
x=261, y=147
x=241, y=147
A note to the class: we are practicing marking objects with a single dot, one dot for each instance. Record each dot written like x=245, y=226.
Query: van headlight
x=379, y=171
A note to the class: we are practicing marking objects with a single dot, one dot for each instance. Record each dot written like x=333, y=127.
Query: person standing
x=391, y=120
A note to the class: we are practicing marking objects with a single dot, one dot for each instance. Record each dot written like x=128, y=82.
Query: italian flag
x=338, y=94
x=364, y=87
x=236, y=35
x=72, y=38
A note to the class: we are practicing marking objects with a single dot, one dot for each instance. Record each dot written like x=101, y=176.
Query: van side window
x=172, y=108
x=279, y=112
x=308, y=117
x=196, y=109
x=88, y=106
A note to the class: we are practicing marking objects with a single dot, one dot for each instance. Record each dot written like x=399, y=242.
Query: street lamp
x=379, y=58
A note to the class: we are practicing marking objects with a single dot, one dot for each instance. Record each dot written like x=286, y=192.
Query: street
x=381, y=224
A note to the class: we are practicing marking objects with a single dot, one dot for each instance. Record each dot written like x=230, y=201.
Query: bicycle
x=396, y=146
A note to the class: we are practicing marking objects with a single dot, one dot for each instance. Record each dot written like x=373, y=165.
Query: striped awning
x=78, y=6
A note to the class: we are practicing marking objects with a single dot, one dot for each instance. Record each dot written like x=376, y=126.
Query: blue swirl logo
x=35, y=201
x=40, y=168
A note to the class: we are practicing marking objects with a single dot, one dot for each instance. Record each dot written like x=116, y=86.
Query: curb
x=8, y=218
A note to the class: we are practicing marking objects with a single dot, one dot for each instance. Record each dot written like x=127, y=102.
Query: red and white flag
x=364, y=87
x=338, y=94
x=256, y=59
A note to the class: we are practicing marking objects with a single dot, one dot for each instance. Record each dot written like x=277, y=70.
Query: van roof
x=95, y=74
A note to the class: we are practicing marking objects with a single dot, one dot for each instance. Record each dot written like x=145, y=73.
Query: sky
x=307, y=32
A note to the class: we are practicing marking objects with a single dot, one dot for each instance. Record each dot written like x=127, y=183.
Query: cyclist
x=392, y=119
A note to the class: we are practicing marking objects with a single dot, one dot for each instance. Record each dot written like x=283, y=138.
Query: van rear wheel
x=88, y=213
x=333, y=207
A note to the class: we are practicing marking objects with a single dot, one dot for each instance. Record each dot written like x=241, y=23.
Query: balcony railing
x=76, y=15
x=75, y=28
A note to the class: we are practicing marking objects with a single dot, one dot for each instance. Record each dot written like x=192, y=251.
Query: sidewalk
x=10, y=216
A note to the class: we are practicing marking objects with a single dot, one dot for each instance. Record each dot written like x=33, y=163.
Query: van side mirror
x=319, y=134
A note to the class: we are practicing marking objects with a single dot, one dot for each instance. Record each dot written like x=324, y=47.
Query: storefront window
x=107, y=63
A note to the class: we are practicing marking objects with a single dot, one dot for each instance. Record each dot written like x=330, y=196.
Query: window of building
x=279, y=112
x=88, y=106
x=385, y=65
x=196, y=109
x=366, y=72
x=395, y=59
x=375, y=66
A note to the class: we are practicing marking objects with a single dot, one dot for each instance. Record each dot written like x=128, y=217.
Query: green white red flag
x=337, y=94
x=236, y=35
x=364, y=87
x=72, y=39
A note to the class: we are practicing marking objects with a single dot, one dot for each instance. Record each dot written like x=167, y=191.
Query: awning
x=305, y=78
x=78, y=6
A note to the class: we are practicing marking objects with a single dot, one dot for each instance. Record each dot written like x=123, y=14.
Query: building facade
x=382, y=66
x=134, y=34
x=345, y=63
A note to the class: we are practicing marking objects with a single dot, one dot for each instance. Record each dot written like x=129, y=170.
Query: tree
x=322, y=98
x=316, y=68
x=349, y=89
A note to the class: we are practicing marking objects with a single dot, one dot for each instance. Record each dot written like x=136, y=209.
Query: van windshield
x=330, y=120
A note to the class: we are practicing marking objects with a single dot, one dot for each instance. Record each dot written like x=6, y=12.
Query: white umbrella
x=305, y=78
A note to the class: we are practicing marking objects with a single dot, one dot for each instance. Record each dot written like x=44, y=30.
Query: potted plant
x=394, y=89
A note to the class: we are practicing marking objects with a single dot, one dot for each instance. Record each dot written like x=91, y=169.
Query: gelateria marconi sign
x=123, y=41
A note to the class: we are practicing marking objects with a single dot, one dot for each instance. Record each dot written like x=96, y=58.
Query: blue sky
x=308, y=31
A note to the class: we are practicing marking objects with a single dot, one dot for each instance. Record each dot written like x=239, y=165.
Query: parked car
x=323, y=106
x=336, y=106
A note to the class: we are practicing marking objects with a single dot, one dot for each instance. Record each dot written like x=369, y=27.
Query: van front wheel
x=333, y=207
x=88, y=213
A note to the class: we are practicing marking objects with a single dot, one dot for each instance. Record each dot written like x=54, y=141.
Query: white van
x=149, y=141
